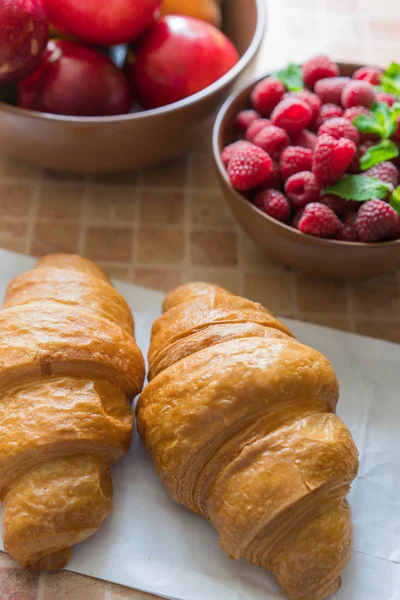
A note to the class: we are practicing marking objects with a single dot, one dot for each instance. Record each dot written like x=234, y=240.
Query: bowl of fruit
x=308, y=160
x=87, y=86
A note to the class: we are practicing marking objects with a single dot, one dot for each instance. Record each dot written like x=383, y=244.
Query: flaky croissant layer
x=239, y=419
x=69, y=365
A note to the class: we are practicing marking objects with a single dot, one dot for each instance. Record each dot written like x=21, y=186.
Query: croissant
x=68, y=366
x=239, y=419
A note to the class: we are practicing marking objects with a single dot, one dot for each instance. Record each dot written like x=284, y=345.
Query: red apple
x=23, y=37
x=75, y=80
x=104, y=22
x=177, y=57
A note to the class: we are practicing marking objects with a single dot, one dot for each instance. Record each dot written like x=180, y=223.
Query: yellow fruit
x=206, y=10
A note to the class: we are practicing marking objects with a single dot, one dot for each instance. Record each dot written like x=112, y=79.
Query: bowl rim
x=241, y=199
x=261, y=10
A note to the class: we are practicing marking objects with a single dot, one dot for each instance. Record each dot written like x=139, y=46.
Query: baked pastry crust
x=69, y=366
x=239, y=419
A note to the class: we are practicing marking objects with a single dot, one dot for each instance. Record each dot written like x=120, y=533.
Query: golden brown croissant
x=240, y=421
x=69, y=365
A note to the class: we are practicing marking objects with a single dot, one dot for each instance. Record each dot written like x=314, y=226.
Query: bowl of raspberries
x=309, y=157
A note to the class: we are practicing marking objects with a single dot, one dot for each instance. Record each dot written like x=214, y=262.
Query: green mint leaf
x=360, y=188
x=395, y=200
x=366, y=124
x=391, y=79
x=386, y=150
x=292, y=77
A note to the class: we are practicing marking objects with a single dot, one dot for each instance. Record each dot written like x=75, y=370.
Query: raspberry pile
x=291, y=145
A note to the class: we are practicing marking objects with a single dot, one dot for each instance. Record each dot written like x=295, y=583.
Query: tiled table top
x=167, y=225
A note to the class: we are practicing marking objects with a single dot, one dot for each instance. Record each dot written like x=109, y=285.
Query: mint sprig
x=383, y=122
x=390, y=82
x=395, y=200
x=292, y=77
x=360, y=188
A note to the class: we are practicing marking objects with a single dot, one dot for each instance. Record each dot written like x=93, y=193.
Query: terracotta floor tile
x=112, y=179
x=113, y=244
x=116, y=271
x=169, y=174
x=253, y=256
x=158, y=279
x=15, y=199
x=213, y=248
x=61, y=177
x=50, y=236
x=273, y=289
x=60, y=201
x=319, y=295
x=210, y=210
x=13, y=235
x=162, y=208
x=225, y=277
x=384, y=330
x=333, y=321
x=119, y=592
x=203, y=172
x=16, y=584
x=107, y=203
x=161, y=246
x=65, y=585
x=15, y=169
x=377, y=297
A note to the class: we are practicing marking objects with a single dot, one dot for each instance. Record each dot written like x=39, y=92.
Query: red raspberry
x=376, y=219
x=274, y=179
x=328, y=111
x=292, y=114
x=273, y=140
x=330, y=90
x=266, y=95
x=319, y=220
x=305, y=139
x=395, y=231
x=340, y=127
x=317, y=68
x=248, y=168
x=230, y=150
x=244, y=119
x=340, y=206
x=331, y=158
x=385, y=97
x=348, y=230
x=295, y=159
x=255, y=127
x=313, y=102
x=396, y=135
x=296, y=219
x=358, y=93
x=274, y=204
x=370, y=74
x=385, y=171
x=356, y=111
x=302, y=188
x=354, y=166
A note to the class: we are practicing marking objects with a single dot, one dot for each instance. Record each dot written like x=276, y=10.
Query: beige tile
x=112, y=244
x=50, y=236
x=377, y=297
x=13, y=235
x=60, y=201
x=203, y=172
x=168, y=174
x=385, y=29
x=16, y=169
x=162, y=208
x=119, y=592
x=272, y=288
x=225, y=277
x=253, y=256
x=65, y=585
x=15, y=199
x=210, y=210
x=319, y=295
x=16, y=584
x=384, y=330
x=327, y=320
x=111, y=203
x=159, y=246
x=116, y=271
x=158, y=279
x=213, y=248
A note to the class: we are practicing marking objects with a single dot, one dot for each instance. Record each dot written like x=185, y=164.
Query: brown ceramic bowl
x=327, y=258
x=111, y=144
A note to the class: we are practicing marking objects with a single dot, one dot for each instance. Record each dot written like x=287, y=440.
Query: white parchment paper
x=152, y=544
